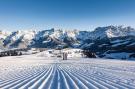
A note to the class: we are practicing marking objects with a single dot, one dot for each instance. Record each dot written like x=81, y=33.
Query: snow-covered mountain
x=102, y=40
x=112, y=31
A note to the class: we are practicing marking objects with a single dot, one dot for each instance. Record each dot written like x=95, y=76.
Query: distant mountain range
x=107, y=41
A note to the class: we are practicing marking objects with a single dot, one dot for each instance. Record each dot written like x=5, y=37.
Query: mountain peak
x=53, y=36
x=113, y=31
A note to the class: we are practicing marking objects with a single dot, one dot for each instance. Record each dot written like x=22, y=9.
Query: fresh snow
x=117, y=41
x=118, y=44
x=71, y=53
x=132, y=44
x=120, y=55
x=44, y=54
x=32, y=72
x=77, y=53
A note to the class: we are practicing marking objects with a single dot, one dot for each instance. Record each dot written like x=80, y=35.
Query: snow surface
x=117, y=41
x=132, y=44
x=120, y=55
x=1, y=50
x=118, y=44
x=44, y=54
x=71, y=53
x=31, y=72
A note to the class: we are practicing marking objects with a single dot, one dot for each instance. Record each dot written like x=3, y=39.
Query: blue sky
x=66, y=14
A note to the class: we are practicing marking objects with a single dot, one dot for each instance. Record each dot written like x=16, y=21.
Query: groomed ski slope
x=29, y=72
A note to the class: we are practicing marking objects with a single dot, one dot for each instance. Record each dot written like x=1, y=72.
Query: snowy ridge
x=112, y=31
x=13, y=39
x=100, y=40
x=4, y=34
